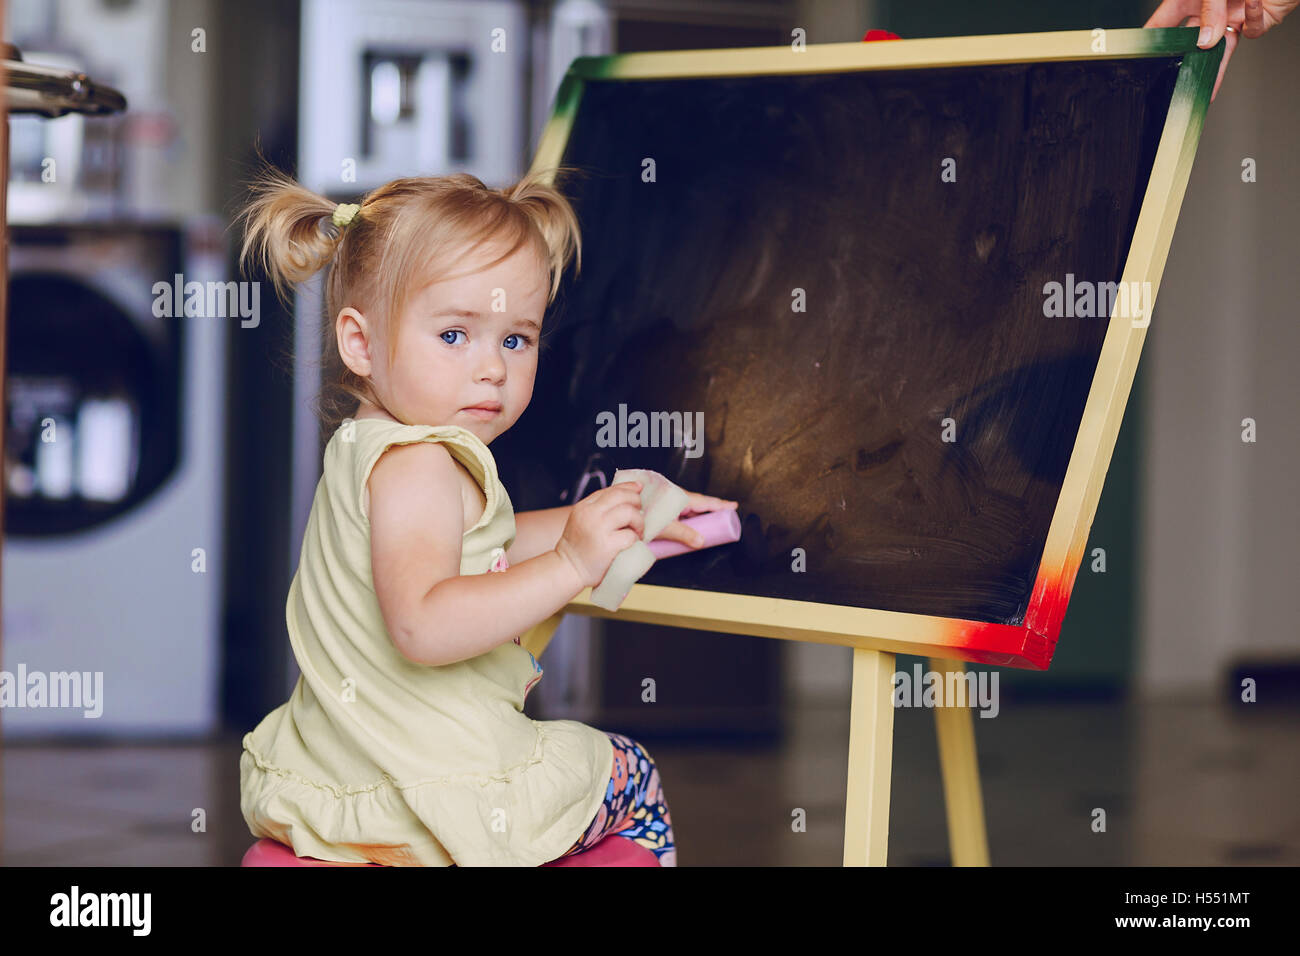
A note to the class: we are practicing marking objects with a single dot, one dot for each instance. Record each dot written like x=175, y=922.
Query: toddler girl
x=404, y=741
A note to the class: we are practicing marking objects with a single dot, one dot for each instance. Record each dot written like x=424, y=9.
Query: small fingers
x=623, y=493
x=683, y=534
x=629, y=516
x=699, y=504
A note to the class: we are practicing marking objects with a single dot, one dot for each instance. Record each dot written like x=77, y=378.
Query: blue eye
x=450, y=332
x=522, y=338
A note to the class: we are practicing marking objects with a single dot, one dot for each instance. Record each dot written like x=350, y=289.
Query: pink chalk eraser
x=718, y=527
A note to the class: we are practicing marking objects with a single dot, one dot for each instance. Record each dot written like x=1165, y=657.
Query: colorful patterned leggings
x=634, y=805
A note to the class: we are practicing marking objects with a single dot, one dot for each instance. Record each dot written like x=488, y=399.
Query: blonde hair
x=376, y=260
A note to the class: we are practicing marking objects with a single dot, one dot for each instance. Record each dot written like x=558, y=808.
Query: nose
x=491, y=368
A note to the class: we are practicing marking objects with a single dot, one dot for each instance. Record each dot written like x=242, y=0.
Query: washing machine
x=113, y=471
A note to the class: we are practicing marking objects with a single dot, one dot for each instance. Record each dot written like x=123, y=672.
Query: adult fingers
x=1214, y=17
x=1228, y=47
x=1254, y=25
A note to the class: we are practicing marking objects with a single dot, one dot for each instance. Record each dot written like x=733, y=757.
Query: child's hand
x=599, y=527
x=697, y=504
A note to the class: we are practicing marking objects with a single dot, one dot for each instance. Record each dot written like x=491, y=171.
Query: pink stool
x=611, y=851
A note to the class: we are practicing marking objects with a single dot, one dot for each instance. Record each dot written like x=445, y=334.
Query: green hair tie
x=344, y=213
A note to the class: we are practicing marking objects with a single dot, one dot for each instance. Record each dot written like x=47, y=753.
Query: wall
x=1221, y=518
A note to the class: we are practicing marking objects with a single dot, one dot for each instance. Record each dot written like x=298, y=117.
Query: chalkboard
x=845, y=277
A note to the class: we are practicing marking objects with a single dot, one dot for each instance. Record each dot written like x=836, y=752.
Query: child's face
x=454, y=351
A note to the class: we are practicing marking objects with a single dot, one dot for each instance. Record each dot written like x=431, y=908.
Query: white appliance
x=114, y=456
x=395, y=88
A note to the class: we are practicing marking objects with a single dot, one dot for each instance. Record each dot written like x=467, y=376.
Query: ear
x=353, y=334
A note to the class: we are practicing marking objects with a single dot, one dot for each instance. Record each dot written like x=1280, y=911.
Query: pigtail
x=288, y=232
x=553, y=217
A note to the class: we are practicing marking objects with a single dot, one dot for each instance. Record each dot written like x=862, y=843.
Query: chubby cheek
x=436, y=377
x=521, y=387
x=411, y=382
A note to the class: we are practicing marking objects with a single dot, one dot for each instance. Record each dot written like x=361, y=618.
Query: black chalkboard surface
x=842, y=277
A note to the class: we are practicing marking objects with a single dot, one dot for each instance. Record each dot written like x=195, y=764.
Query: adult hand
x=1248, y=18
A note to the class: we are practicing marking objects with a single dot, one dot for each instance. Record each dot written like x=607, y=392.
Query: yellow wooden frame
x=877, y=635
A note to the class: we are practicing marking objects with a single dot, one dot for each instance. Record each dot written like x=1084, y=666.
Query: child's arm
x=434, y=614
x=536, y=532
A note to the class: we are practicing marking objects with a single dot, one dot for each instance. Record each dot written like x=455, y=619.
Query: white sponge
x=661, y=502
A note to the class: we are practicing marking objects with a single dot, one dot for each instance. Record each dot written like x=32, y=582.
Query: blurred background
x=158, y=546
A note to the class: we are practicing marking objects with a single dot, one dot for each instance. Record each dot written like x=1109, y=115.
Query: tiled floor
x=1181, y=783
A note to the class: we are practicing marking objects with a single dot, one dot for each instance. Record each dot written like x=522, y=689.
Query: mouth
x=483, y=410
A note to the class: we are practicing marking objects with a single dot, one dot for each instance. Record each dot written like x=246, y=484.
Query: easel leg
x=871, y=743
x=967, y=835
x=534, y=641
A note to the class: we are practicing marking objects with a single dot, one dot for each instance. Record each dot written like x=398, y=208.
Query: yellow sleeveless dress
x=377, y=759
